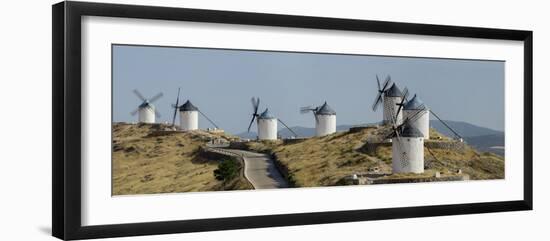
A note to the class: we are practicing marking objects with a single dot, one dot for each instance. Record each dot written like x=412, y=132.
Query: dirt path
x=260, y=170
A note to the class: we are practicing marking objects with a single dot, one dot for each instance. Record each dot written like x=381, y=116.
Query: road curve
x=260, y=170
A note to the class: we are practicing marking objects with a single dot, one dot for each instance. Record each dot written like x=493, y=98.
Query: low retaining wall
x=360, y=128
x=363, y=180
x=237, y=145
x=449, y=145
x=293, y=141
x=370, y=148
x=211, y=153
x=415, y=180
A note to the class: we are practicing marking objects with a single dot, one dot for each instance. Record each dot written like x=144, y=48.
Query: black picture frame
x=66, y=127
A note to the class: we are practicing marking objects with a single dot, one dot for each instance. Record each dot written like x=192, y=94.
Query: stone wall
x=237, y=145
x=416, y=180
x=213, y=155
x=370, y=148
x=293, y=141
x=448, y=145
x=360, y=128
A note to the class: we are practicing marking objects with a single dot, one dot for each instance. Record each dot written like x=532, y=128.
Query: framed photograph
x=172, y=120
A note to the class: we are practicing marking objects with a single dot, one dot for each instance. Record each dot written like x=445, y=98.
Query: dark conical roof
x=325, y=110
x=266, y=115
x=393, y=91
x=410, y=131
x=145, y=104
x=414, y=104
x=188, y=106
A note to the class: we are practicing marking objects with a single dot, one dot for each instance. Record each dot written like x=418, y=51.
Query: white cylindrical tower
x=146, y=113
x=189, y=117
x=392, y=97
x=408, y=151
x=325, y=120
x=422, y=122
x=267, y=126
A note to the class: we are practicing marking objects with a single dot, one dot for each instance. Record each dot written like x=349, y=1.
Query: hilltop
x=481, y=138
x=147, y=159
x=327, y=160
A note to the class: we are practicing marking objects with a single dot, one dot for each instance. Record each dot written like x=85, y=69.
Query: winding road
x=259, y=169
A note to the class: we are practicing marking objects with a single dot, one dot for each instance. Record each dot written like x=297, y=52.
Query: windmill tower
x=390, y=98
x=408, y=150
x=146, y=110
x=407, y=144
x=267, y=123
x=422, y=123
x=267, y=126
x=325, y=119
x=189, y=115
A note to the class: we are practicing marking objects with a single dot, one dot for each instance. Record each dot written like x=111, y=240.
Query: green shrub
x=227, y=170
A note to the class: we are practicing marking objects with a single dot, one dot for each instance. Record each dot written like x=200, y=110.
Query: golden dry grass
x=144, y=164
x=171, y=163
x=324, y=161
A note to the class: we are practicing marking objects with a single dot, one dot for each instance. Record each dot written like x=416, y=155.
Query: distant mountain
x=300, y=130
x=490, y=143
x=482, y=138
x=307, y=131
x=463, y=128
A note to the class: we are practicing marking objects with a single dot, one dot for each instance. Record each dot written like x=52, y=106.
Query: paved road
x=260, y=170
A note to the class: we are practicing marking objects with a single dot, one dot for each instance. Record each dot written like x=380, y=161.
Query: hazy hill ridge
x=481, y=138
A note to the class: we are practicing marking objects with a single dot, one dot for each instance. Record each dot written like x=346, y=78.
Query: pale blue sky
x=221, y=83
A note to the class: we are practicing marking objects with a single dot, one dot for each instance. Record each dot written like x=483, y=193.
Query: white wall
x=408, y=156
x=189, y=120
x=267, y=129
x=326, y=125
x=422, y=123
x=25, y=81
x=146, y=115
x=390, y=109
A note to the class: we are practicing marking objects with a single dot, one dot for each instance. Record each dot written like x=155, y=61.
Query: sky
x=221, y=83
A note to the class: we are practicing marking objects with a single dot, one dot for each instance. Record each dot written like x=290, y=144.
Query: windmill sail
x=139, y=95
x=311, y=108
x=402, y=103
x=381, y=90
x=255, y=104
x=176, y=108
x=146, y=103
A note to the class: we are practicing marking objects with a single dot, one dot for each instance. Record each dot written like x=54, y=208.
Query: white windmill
x=422, y=123
x=146, y=110
x=325, y=118
x=407, y=143
x=390, y=98
x=189, y=115
x=267, y=123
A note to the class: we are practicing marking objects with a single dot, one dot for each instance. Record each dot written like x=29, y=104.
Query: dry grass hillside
x=325, y=161
x=145, y=161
